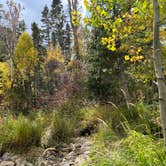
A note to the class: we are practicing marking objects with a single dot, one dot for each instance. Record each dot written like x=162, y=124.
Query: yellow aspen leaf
x=113, y=36
x=98, y=8
x=113, y=48
x=85, y=2
x=141, y=57
x=139, y=49
x=133, y=59
x=127, y=58
x=114, y=30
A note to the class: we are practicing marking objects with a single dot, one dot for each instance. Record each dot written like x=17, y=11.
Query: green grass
x=60, y=130
x=134, y=150
x=19, y=133
x=126, y=137
x=63, y=128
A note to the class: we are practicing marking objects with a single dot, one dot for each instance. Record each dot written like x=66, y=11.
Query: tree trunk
x=11, y=69
x=76, y=42
x=124, y=86
x=73, y=7
x=158, y=67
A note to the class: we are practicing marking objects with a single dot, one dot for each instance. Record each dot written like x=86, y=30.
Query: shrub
x=19, y=133
x=60, y=130
x=98, y=112
x=135, y=150
x=143, y=150
x=106, y=114
x=105, y=135
x=142, y=118
x=139, y=117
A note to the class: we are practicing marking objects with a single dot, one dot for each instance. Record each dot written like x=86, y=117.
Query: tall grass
x=61, y=129
x=19, y=133
x=126, y=137
x=139, y=117
x=134, y=150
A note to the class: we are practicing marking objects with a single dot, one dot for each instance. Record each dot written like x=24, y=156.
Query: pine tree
x=67, y=41
x=53, y=38
x=57, y=23
x=46, y=25
x=36, y=36
x=21, y=27
x=37, y=41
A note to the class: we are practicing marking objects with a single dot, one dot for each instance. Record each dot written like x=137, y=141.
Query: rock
x=7, y=163
x=6, y=156
x=22, y=162
x=9, y=157
x=66, y=150
x=52, y=157
x=64, y=145
x=67, y=155
x=71, y=164
x=49, y=152
x=78, y=146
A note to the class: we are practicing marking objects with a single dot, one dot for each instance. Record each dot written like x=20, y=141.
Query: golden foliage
x=54, y=53
x=25, y=56
x=5, y=77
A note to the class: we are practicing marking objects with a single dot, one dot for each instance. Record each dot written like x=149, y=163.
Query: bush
x=142, y=118
x=143, y=150
x=60, y=130
x=135, y=150
x=139, y=117
x=19, y=133
x=106, y=114
x=105, y=135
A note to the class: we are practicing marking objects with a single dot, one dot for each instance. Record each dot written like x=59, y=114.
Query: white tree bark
x=73, y=6
x=8, y=30
x=159, y=67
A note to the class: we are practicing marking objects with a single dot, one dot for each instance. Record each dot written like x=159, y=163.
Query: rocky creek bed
x=73, y=154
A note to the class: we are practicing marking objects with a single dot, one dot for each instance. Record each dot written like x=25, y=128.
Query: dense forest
x=83, y=87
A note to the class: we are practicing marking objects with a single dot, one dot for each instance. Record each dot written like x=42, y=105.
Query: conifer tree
x=36, y=35
x=67, y=41
x=57, y=23
x=46, y=25
x=37, y=41
x=21, y=27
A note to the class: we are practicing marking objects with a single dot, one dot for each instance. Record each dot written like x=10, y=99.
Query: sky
x=33, y=9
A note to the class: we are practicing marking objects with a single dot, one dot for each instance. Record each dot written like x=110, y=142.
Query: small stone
x=7, y=163
x=22, y=162
x=48, y=152
x=71, y=164
x=68, y=149
x=52, y=157
x=6, y=156
x=78, y=146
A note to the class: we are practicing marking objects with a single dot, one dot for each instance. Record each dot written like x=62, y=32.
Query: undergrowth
x=19, y=133
x=134, y=150
x=126, y=137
